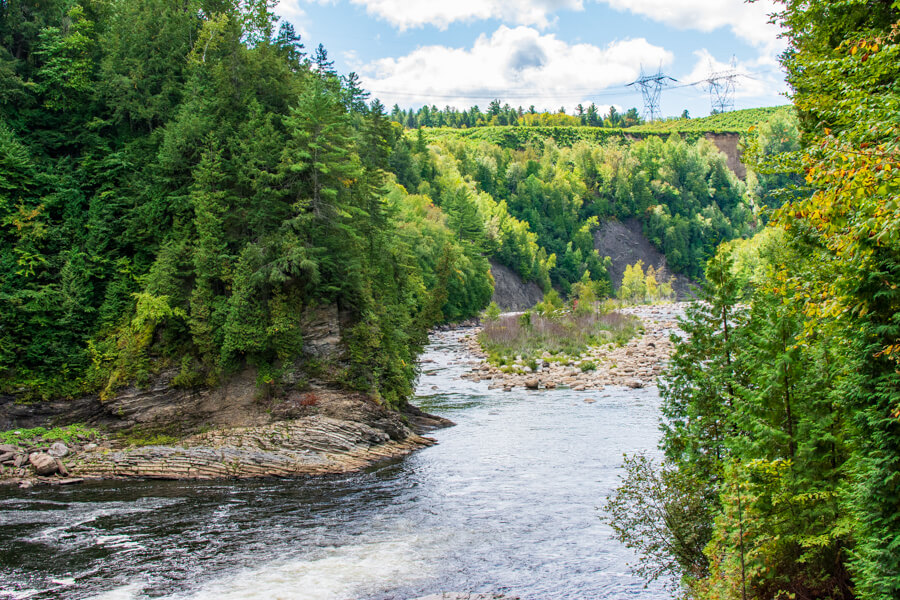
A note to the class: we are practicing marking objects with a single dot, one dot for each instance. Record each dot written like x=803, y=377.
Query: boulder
x=58, y=450
x=7, y=457
x=634, y=383
x=4, y=448
x=43, y=464
x=532, y=383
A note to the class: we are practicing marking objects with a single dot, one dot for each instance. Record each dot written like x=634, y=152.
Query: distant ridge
x=517, y=136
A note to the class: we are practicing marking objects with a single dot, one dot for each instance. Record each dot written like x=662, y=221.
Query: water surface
x=506, y=502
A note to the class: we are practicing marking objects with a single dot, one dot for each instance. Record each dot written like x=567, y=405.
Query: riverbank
x=338, y=433
x=504, y=503
x=635, y=364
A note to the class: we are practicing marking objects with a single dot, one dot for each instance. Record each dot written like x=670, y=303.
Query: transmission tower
x=721, y=87
x=651, y=86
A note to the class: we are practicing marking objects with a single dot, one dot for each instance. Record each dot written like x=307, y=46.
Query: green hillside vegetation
x=736, y=121
x=179, y=183
x=503, y=115
x=571, y=132
x=781, y=429
x=683, y=193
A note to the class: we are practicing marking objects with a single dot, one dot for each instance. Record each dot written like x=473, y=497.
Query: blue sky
x=549, y=53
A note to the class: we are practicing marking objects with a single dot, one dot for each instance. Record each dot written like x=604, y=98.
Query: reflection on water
x=507, y=502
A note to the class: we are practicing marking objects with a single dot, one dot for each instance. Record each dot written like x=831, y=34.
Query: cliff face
x=729, y=145
x=237, y=402
x=624, y=242
x=510, y=292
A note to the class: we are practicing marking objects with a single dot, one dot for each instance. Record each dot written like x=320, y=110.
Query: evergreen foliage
x=789, y=419
x=180, y=187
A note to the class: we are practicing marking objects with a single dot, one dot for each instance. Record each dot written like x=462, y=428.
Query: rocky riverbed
x=636, y=364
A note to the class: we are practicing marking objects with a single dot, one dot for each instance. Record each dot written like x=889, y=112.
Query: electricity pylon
x=721, y=87
x=651, y=87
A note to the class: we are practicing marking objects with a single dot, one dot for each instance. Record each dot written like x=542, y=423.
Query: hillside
x=179, y=224
x=736, y=122
x=540, y=193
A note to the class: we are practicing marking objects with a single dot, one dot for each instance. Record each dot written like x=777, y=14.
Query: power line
x=579, y=93
x=651, y=88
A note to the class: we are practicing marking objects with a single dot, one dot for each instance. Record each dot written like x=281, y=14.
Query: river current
x=507, y=501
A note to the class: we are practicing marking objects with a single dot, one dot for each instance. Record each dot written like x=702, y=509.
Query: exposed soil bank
x=625, y=244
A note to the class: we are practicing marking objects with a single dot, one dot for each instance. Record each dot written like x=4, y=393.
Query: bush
x=492, y=312
x=66, y=434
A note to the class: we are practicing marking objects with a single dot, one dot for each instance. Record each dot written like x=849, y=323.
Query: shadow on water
x=507, y=501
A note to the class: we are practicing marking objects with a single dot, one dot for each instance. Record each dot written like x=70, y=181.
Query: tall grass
x=570, y=334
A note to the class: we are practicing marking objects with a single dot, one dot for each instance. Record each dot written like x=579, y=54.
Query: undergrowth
x=561, y=335
x=67, y=434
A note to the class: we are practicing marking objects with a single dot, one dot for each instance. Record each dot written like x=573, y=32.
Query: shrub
x=492, y=312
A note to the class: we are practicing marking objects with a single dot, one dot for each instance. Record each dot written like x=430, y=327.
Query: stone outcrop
x=510, y=292
x=312, y=433
x=233, y=430
x=308, y=446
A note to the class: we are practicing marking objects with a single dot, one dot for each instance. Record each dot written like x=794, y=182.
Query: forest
x=181, y=183
x=780, y=467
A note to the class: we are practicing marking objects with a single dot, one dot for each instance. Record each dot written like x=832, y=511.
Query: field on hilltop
x=506, y=136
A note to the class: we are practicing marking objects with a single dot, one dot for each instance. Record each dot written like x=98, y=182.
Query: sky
x=547, y=53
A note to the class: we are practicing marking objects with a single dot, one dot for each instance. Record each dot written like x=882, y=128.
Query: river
x=507, y=501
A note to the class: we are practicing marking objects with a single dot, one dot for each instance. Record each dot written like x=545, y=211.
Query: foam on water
x=333, y=574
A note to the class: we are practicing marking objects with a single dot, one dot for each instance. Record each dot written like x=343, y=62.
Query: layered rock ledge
x=309, y=446
x=312, y=433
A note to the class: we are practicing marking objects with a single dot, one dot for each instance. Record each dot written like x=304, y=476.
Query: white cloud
x=406, y=14
x=748, y=21
x=290, y=11
x=517, y=65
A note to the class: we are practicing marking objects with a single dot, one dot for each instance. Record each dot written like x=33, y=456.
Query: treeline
x=181, y=185
x=497, y=115
x=780, y=475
